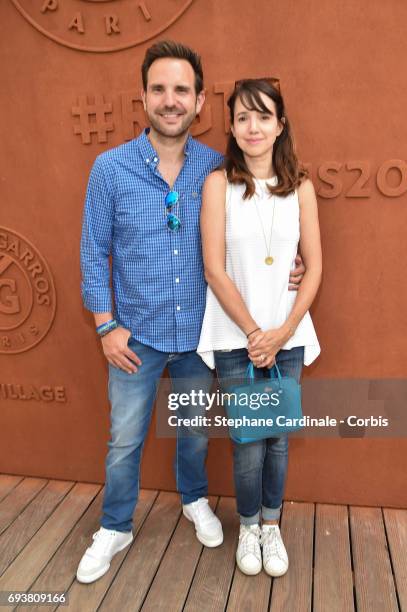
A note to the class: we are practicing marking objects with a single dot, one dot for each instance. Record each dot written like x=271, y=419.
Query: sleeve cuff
x=98, y=301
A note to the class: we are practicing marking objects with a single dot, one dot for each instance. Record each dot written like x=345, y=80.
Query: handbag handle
x=250, y=373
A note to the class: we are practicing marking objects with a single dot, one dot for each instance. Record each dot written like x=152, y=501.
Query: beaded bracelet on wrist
x=107, y=327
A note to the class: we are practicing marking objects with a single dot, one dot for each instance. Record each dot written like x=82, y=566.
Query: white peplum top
x=264, y=288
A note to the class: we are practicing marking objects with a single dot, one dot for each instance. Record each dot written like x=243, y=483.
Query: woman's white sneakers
x=207, y=525
x=96, y=560
x=248, y=554
x=275, y=558
x=249, y=550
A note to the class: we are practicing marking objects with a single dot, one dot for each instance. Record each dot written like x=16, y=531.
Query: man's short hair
x=169, y=48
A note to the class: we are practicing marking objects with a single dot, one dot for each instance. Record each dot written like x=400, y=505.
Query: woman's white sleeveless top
x=264, y=288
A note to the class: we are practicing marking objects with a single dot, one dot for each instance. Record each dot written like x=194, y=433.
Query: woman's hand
x=263, y=347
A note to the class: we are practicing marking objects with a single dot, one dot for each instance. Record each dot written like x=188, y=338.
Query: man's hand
x=296, y=274
x=117, y=352
x=264, y=346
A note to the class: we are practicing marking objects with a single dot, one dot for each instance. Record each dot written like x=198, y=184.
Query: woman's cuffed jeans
x=259, y=467
x=132, y=398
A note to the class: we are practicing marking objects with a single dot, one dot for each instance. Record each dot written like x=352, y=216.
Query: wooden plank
x=138, y=569
x=22, y=572
x=375, y=590
x=87, y=597
x=210, y=586
x=333, y=582
x=293, y=590
x=171, y=584
x=18, y=499
x=396, y=527
x=13, y=540
x=249, y=592
x=7, y=484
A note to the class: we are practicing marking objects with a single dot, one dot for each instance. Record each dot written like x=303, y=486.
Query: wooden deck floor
x=341, y=558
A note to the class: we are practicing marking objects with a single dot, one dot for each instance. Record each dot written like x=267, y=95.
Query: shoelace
x=102, y=541
x=203, y=510
x=249, y=540
x=271, y=542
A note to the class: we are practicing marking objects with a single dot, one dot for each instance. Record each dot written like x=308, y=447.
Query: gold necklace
x=268, y=259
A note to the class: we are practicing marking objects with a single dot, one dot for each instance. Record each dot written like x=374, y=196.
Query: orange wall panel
x=70, y=90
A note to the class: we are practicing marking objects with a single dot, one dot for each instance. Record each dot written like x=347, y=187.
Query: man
x=142, y=208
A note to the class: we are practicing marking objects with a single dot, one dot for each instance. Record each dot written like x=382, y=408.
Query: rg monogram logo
x=11, y=304
x=27, y=294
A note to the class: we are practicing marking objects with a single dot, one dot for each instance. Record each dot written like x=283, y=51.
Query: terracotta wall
x=70, y=85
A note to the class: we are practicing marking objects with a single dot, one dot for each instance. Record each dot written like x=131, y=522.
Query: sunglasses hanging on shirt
x=172, y=200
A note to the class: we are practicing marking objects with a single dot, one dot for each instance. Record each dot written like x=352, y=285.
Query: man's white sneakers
x=248, y=554
x=107, y=542
x=207, y=525
x=275, y=558
x=96, y=560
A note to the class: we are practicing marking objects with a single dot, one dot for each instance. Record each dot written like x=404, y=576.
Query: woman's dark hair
x=169, y=48
x=288, y=170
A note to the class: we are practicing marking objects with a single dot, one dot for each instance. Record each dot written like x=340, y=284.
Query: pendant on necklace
x=269, y=260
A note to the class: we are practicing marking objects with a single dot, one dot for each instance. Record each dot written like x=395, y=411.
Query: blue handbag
x=265, y=408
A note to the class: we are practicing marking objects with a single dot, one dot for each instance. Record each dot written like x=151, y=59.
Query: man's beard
x=168, y=131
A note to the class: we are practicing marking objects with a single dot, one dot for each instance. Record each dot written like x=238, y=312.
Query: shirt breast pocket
x=190, y=206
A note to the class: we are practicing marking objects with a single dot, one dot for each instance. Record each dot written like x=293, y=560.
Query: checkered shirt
x=156, y=287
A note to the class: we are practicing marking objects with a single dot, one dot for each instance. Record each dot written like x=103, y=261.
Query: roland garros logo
x=27, y=294
x=101, y=25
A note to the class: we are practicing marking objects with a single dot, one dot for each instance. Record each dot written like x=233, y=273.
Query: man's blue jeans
x=132, y=399
x=259, y=467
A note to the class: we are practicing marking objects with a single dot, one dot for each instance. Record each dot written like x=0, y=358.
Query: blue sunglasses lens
x=171, y=199
x=173, y=222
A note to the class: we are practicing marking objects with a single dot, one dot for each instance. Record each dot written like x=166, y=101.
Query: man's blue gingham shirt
x=158, y=281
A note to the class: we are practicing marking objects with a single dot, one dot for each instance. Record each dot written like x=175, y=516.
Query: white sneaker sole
x=202, y=539
x=88, y=578
x=92, y=577
x=247, y=572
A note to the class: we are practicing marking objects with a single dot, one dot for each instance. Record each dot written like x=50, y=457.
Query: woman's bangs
x=252, y=100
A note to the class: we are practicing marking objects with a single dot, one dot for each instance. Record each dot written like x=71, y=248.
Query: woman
x=255, y=212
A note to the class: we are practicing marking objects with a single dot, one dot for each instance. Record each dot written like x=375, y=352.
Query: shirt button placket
x=178, y=307
x=177, y=252
x=176, y=275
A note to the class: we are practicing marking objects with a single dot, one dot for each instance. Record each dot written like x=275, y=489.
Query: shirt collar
x=147, y=151
x=150, y=155
x=188, y=145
